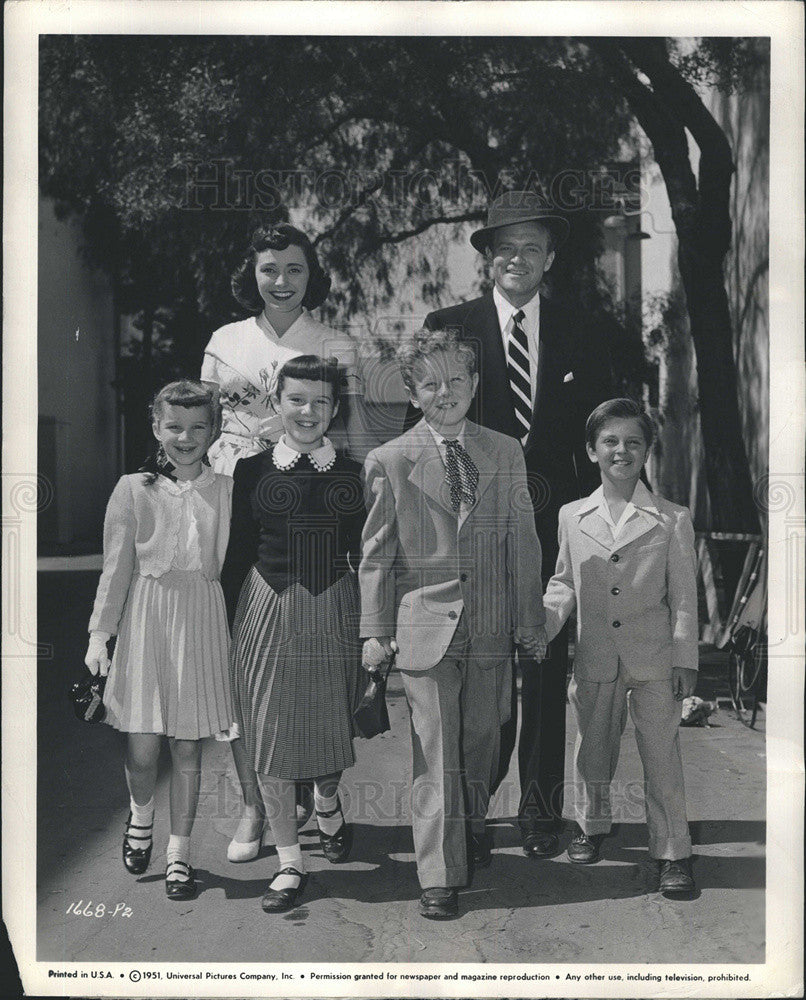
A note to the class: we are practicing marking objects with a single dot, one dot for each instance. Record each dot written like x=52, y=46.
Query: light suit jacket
x=420, y=568
x=573, y=377
x=635, y=598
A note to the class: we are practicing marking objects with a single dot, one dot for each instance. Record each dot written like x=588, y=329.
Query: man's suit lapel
x=478, y=447
x=494, y=396
x=427, y=471
x=497, y=403
x=639, y=524
x=592, y=524
x=550, y=361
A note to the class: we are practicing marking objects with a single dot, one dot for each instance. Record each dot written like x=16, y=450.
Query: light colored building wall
x=746, y=122
x=78, y=424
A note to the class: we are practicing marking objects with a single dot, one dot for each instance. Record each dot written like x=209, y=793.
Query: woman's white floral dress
x=242, y=359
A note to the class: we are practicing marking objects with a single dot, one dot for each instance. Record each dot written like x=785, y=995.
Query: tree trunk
x=727, y=470
x=701, y=211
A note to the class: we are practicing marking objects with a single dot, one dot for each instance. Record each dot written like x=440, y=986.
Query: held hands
x=533, y=641
x=683, y=682
x=97, y=659
x=377, y=652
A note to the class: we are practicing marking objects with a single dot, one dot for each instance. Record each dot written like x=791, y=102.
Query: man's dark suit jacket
x=574, y=376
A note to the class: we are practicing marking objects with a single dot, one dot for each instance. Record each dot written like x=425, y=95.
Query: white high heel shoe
x=248, y=850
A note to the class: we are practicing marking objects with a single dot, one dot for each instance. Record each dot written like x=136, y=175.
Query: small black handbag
x=371, y=717
x=87, y=698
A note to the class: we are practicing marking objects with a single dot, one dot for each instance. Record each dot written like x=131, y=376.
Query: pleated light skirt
x=295, y=668
x=170, y=670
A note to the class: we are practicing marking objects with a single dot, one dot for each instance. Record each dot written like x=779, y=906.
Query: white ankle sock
x=288, y=856
x=141, y=816
x=325, y=804
x=178, y=850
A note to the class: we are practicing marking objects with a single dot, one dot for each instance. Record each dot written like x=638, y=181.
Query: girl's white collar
x=285, y=457
x=180, y=486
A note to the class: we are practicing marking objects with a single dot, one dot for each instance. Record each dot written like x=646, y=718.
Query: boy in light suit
x=627, y=567
x=451, y=571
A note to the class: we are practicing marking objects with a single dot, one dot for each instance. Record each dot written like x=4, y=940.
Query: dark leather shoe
x=336, y=846
x=480, y=850
x=439, y=903
x=584, y=848
x=676, y=876
x=280, y=900
x=136, y=859
x=541, y=844
x=179, y=889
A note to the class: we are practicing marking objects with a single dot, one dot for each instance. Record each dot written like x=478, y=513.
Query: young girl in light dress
x=292, y=597
x=165, y=536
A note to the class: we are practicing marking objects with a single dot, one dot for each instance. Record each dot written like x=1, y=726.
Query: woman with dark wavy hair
x=279, y=280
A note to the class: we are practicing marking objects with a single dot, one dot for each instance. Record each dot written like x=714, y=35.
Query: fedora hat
x=519, y=206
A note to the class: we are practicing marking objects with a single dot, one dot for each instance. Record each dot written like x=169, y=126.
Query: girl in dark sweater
x=292, y=599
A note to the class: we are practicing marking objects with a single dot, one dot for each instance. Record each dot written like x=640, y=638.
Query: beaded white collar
x=285, y=457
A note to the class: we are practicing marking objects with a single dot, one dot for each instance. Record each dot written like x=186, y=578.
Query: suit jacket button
x=451, y=614
x=616, y=624
x=614, y=558
x=463, y=577
x=615, y=591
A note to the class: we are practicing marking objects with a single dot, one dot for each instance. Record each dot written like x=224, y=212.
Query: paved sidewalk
x=366, y=910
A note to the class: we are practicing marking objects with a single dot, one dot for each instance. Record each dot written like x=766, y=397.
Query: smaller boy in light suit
x=627, y=566
x=450, y=570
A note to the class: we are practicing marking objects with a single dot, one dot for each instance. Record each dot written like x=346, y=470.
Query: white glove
x=97, y=658
x=377, y=652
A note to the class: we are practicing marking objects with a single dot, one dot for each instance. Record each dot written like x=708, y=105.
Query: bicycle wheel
x=735, y=664
x=754, y=676
x=746, y=681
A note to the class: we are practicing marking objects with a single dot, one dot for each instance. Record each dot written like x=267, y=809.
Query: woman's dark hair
x=311, y=368
x=279, y=237
x=618, y=409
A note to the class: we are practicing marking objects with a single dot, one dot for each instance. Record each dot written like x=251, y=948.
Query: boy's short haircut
x=425, y=344
x=618, y=409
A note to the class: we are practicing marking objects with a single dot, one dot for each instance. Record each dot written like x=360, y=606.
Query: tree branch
x=663, y=129
x=650, y=56
x=382, y=239
x=347, y=212
x=714, y=227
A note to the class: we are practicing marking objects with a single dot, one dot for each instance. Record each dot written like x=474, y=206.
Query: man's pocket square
x=569, y=377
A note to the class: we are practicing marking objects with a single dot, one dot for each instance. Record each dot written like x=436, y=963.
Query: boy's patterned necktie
x=462, y=477
x=519, y=374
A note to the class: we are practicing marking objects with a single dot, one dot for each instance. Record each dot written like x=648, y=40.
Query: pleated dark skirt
x=296, y=669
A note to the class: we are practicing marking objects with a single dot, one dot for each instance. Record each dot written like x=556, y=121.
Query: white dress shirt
x=641, y=498
x=530, y=326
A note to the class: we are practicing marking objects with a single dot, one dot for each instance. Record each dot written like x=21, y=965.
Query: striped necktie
x=519, y=375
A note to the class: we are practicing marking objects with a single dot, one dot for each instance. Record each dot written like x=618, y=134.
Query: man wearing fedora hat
x=540, y=377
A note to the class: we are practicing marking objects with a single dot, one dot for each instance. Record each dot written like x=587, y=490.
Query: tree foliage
x=173, y=148
x=375, y=140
